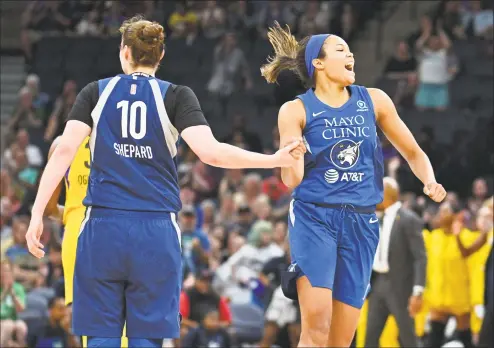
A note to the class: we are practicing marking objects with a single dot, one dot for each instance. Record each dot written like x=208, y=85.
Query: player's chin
x=349, y=78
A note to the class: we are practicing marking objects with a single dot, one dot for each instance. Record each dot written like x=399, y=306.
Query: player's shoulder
x=292, y=110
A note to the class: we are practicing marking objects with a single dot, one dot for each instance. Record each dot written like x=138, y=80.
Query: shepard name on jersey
x=133, y=151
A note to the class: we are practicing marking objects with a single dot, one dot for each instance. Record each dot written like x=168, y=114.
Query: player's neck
x=332, y=94
x=142, y=69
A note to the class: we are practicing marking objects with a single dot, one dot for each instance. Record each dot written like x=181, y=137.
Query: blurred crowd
x=234, y=222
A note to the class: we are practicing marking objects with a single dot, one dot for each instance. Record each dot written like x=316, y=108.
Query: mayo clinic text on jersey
x=133, y=151
x=352, y=126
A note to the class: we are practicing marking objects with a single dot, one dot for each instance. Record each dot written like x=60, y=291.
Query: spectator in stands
x=89, y=25
x=188, y=197
x=241, y=18
x=179, y=20
x=425, y=28
x=229, y=65
x=12, y=302
x=273, y=186
x=26, y=269
x=63, y=105
x=252, y=188
x=226, y=213
x=213, y=20
x=271, y=11
x=202, y=181
x=252, y=140
x=54, y=268
x=480, y=192
x=231, y=181
x=5, y=219
x=26, y=176
x=245, y=219
x=452, y=20
x=196, y=248
x=262, y=207
x=480, y=18
x=33, y=153
x=208, y=334
x=25, y=115
x=315, y=20
x=196, y=302
x=40, y=18
x=55, y=331
x=237, y=274
x=434, y=72
x=40, y=99
x=401, y=68
x=113, y=18
x=209, y=215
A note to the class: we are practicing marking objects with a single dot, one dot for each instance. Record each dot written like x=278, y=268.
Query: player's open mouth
x=349, y=66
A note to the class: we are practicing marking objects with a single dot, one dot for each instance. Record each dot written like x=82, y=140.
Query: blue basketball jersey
x=133, y=147
x=344, y=162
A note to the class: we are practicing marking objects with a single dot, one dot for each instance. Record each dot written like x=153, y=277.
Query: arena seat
x=248, y=323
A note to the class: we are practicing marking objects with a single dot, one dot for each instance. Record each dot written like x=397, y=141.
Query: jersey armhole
x=368, y=99
x=300, y=97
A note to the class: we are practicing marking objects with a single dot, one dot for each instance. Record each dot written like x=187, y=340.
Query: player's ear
x=318, y=64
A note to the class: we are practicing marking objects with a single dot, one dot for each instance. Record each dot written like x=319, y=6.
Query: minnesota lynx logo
x=345, y=153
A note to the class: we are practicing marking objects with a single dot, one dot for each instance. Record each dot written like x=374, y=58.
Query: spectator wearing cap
x=245, y=219
x=197, y=302
x=188, y=197
x=195, y=243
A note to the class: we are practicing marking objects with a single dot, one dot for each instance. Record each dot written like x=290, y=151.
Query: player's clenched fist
x=435, y=191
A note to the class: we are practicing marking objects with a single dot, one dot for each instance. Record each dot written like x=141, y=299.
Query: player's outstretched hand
x=435, y=191
x=284, y=157
x=33, y=235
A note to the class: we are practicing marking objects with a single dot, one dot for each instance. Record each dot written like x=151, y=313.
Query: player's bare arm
x=209, y=150
x=291, y=121
x=53, y=210
x=74, y=134
x=402, y=139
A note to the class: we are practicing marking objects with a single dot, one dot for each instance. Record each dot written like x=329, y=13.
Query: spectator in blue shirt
x=195, y=243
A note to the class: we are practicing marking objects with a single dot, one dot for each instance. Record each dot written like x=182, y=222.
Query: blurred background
x=434, y=58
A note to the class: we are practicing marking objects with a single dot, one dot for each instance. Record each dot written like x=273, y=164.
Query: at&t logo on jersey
x=331, y=176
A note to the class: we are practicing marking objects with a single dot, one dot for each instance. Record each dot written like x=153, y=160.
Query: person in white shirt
x=236, y=276
x=434, y=70
x=33, y=153
x=399, y=270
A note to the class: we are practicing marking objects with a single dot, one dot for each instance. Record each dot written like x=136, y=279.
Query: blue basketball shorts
x=128, y=270
x=334, y=247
